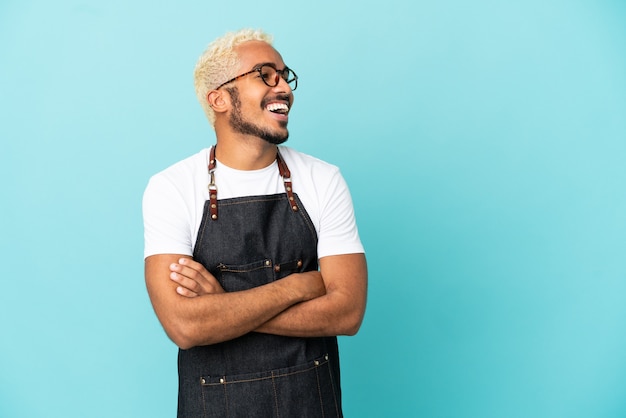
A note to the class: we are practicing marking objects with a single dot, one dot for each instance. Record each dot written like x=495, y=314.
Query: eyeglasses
x=270, y=76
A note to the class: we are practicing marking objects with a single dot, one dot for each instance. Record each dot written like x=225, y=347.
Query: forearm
x=339, y=311
x=214, y=318
x=328, y=315
x=215, y=315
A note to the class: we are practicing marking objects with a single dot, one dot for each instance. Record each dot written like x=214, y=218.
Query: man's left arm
x=339, y=312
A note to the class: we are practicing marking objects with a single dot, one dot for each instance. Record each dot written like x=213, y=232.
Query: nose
x=282, y=83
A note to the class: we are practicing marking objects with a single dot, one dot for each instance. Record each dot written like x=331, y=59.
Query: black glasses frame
x=284, y=74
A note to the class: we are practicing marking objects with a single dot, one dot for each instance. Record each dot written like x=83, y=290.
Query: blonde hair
x=219, y=62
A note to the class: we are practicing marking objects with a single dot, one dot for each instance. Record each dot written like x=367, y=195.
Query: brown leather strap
x=212, y=186
x=286, y=175
x=282, y=169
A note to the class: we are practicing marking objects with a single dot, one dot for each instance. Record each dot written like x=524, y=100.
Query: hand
x=193, y=279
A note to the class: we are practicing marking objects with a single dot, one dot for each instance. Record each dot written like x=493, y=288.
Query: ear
x=218, y=101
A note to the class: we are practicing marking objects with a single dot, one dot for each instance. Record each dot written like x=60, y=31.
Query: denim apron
x=254, y=241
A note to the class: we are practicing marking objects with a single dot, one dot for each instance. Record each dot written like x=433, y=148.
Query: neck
x=244, y=152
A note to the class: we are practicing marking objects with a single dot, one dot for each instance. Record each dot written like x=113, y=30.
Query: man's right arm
x=220, y=316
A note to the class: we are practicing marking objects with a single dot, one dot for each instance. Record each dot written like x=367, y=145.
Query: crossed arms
x=194, y=309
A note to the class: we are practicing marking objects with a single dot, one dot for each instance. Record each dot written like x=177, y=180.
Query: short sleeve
x=338, y=233
x=166, y=217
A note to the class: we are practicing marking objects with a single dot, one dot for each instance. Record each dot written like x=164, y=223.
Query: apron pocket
x=306, y=390
x=288, y=267
x=237, y=277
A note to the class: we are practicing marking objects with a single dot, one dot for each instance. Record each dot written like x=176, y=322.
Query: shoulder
x=319, y=184
x=180, y=180
x=307, y=165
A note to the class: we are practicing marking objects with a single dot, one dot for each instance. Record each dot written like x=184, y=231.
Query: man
x=253, y=260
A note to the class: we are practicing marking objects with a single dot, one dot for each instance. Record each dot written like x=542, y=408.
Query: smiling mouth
x=280, y=108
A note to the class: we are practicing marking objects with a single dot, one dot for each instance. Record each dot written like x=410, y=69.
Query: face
x=245, y=126
x=252, y=99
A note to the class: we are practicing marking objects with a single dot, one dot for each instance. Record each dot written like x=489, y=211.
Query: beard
x=239, y=124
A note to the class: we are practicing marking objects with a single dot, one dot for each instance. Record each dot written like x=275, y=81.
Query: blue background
x=485, y=146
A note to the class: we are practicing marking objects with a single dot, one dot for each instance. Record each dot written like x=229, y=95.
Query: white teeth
x=275, y=107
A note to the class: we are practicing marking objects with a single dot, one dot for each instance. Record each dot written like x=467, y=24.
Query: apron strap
x=212, y=186
x=282, y=169
x=286, y=175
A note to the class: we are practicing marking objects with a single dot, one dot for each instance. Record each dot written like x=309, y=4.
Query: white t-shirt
x=173, y=202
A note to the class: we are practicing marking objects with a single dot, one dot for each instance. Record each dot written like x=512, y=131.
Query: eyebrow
x=271, y=64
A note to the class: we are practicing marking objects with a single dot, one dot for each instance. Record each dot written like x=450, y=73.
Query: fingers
x=192, y=264
x=185, y=292
x=188, y=287
x=192, y=269
x=193, y=277
x=192, y=272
